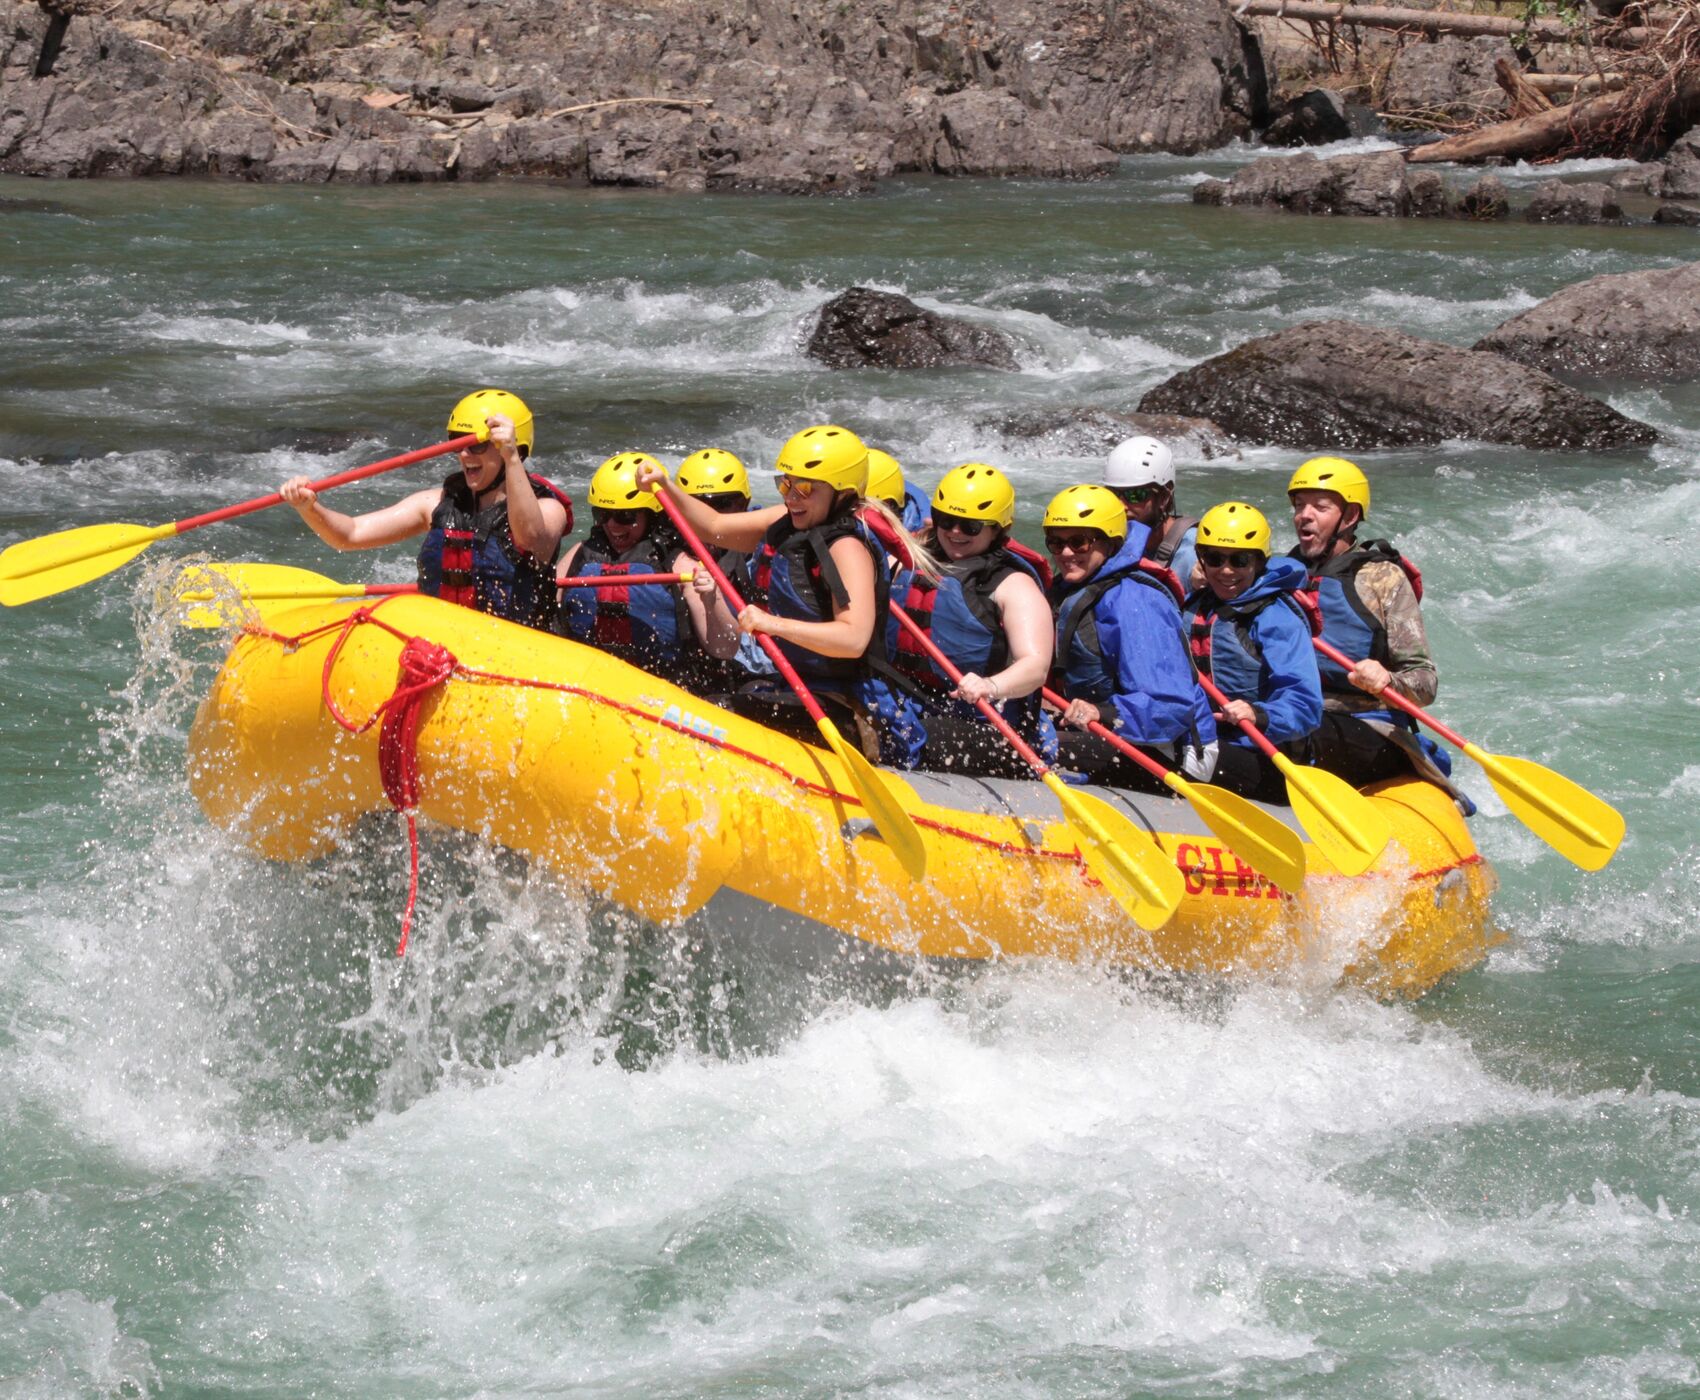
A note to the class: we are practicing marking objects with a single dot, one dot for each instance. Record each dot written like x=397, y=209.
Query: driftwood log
x=1592, y=127
x=1575, y=83
x=1526, y=99
x=1445, y=22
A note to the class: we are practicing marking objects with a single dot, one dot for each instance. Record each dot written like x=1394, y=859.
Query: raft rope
x=425, y=665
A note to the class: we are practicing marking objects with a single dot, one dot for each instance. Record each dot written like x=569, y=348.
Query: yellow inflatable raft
x=664, y=804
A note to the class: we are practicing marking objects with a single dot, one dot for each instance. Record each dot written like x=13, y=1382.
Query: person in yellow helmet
x=820, y=580
x=672, y=629
x=886, y=483
x=1250, y=633
x=988, y=614
x=1120, y=649
x=492, y=529
x=1370, y=599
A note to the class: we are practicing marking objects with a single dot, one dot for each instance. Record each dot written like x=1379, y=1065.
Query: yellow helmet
x=1334, y=474
x=976, y=491
x=1090, y=507
x=829, y=454
x=469, y=415
x=1234, y=525
x=713, y=472
x=614, y=487
x=885, y=479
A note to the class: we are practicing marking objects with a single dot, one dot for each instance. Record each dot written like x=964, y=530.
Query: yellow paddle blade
x=1264, y=842
x=1581, y=827
x=50, y=564
x=1124, y=858
x=1343, y=823
x=259, y=588
x=895, y=826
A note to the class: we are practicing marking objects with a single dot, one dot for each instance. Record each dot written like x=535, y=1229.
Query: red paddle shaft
x=389, y=464
x=771, y=647
x=985, y=707
x=1251, y=731
x=1392, y=697
x=1145, y=761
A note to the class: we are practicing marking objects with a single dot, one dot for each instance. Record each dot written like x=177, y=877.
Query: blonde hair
x=921, y=557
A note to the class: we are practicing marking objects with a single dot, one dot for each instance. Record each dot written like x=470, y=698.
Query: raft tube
x=664, y=803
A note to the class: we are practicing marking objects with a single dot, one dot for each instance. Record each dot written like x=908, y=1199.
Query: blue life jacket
x=469, y=557
x=961, y=618
x=1262, y=654
x=793, y=575
x=1121, y=647
x=915, y=513
x=648, y=624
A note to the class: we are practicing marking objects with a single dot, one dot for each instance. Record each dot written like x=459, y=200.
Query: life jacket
x=793, y=575
x=469, y=556
x=960, y=617
x=1161, y=546
x=647, y=624
x=1347, y=622
x=1079, y=656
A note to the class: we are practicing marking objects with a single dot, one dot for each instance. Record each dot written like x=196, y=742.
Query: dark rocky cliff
x=816, y=95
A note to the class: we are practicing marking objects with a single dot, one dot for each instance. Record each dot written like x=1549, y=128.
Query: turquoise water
x=245, y=1151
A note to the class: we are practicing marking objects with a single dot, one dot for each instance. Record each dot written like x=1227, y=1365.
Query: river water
x=243, y=1150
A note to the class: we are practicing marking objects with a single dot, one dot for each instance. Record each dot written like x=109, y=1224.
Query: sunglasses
x=1228, y=558
x=1138, y=495
x=603, y=516
x=725, y=501
x=969, y=529
x=799, y=486
x=1072, y=544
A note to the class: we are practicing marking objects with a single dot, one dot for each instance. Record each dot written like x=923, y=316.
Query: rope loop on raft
x=422, y=667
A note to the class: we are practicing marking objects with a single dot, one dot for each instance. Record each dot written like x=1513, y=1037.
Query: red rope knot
x=424, y=667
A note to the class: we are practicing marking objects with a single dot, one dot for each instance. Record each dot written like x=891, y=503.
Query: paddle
x=1573, y=821
x=1265, y=843
x=1131, y=864
x=1336, y=816
x=875, y=791
x=50, y=564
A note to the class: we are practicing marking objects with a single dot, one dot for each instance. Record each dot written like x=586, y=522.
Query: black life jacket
x=469, y=556
x=1347, y=621
x=792, y=575
x=1160, y=546
x=967, y=628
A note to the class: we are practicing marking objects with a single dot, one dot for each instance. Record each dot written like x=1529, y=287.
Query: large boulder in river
x=1341, y=385
x=1643, y=327
x=864, y=328
x=1585, y=202
x=1380, y=185
x=1092, y=432
x=1319, y=117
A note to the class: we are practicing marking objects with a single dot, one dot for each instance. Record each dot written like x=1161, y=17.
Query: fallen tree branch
x=1526, y=99
x=1579, y=84
x=1446, y=22
x=1599, y=126
x=625, y=101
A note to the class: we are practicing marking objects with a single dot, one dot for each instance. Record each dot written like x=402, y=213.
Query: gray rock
x=1447, y=78
x=1092, y=432
x=1379, y=185
x=1486, y=199
x=990, y=133
x=1688, y=214
x=812, y=96
x=1317, y=117
x=1641, y=327
x=1345, y=386
x=1589, y=202
x=864, y=328
x=1681, y=172
x=1638, y=179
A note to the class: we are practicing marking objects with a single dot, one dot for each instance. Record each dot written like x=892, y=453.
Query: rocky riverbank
x=804, y=97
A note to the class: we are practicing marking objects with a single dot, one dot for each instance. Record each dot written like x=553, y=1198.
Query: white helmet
x=1140, y=461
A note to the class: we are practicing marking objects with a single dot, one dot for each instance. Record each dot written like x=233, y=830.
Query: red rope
x=425, y=665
